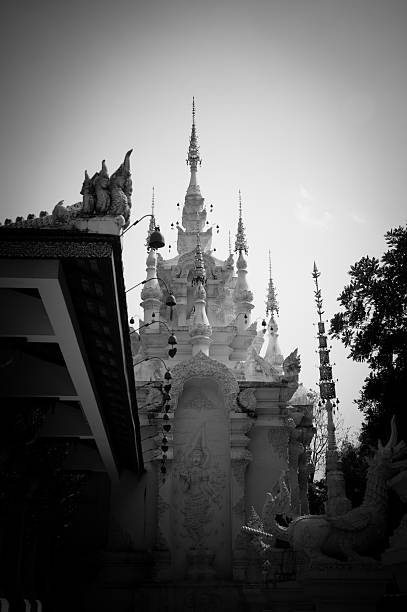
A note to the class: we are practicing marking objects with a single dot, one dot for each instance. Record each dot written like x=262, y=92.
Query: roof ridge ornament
x=241, y=243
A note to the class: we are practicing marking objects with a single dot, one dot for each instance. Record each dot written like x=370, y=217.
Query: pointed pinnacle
x=240, y=243
x=271, y=302
x=193, y=158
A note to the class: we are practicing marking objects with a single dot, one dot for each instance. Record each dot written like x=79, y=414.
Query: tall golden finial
x=240, y=243
x=193, y=158
x=271, y=302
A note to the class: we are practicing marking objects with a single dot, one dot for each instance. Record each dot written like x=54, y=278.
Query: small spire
x=271, y=303
x=199, y=273
x=230, y=245
x=193, y=158
x=152, y=224
x=240, y=243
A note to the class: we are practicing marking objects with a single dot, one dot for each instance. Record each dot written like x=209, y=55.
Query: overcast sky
x=300, y=104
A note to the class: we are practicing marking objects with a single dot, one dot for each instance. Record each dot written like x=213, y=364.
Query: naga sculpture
x=360, y=534
x=292, y=366
x=121, y=189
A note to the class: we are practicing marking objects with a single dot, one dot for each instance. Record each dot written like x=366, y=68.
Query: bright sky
x=300, y=104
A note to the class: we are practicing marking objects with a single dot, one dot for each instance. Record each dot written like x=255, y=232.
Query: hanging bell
x=156, y=240
x=171, y=301
x=172, y=340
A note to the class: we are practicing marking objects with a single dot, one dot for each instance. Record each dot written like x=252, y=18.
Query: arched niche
x=202, y=366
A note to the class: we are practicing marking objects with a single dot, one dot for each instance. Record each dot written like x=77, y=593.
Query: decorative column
x=337, y=502
x=151, y=294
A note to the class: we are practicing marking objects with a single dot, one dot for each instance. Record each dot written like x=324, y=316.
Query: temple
x=231, y=421
x=165, y=464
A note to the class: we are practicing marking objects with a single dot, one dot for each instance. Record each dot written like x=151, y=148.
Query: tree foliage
x=373, y=325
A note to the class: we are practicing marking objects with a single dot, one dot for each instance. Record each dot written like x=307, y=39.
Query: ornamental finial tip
x=271, y=302
x=193, y=159
x=241, y=244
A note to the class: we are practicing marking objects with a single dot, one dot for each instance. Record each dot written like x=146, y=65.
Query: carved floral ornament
x=201, y=366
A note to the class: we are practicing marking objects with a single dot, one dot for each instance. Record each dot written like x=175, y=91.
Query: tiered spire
x=193, y=158
x=199, y=272
x=194, y=212
x=273, y=353
x=271, y=303
x=152, y=224
x=337, y=502
x=200, y=329
x=240, y=243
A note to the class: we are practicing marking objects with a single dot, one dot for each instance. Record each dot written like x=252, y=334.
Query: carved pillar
x=240, y=458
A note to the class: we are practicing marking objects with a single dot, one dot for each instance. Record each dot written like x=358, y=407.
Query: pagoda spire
x=273, y=353
x=271, y=303
x=242, y=296
x=200, y=329
x=337, y=502
x=193, y=159
x=152, y=224
x=240, y=243
x=194, y=211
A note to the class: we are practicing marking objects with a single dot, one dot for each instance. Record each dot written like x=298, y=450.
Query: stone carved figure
x=292, y=366
x=301, y=432
x=201, y=492
x=87, y=191
x=356, y=536
x=278, y=503
x=121, y=189
x=100, y=182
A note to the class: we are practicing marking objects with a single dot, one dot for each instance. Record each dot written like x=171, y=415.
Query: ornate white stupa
x=217, y=428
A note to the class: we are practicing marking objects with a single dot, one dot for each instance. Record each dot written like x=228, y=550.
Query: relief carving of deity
x=202, y=490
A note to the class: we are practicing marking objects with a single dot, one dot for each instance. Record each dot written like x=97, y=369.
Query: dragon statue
x=360, y=534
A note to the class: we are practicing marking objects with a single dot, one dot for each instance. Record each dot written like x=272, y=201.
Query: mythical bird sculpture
x=360, y=534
